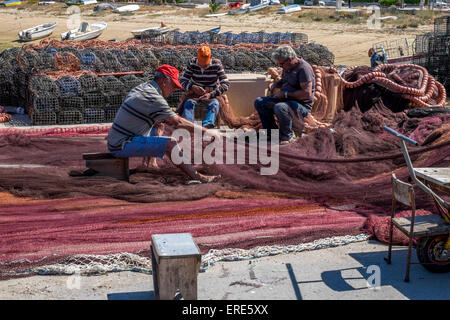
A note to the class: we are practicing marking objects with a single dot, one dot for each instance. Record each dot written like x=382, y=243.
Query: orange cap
x=204, y=55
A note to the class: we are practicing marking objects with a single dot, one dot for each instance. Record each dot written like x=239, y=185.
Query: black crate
x=72, y=103
x=94, y=100
x=110, y=113
x=71, y=116
x=94, y=115
x=442, y=25
x=41, y=118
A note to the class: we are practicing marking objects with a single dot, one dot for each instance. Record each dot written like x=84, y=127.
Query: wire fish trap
x=91, y=83
x=46, y=102
x=43, y=117
x=130, y=81
x=94, y=115
x=127, y=59
x=174, y=98
x=147, y=59
x=72, y=103
x=71, y=116
x=439, y=45
x=66, y=61
x=90, y=61
x=299, y=38
x=42, y=83
x=110, y=113
x=69, y=86
x=109, y=59
x=442, y=25
x=94, y=100
x=115, y=98
x=29, y=60
x=111, y=83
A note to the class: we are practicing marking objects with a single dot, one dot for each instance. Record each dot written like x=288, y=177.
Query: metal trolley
x=432, y=231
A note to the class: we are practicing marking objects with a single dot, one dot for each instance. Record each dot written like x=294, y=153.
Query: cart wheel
x=432, y=255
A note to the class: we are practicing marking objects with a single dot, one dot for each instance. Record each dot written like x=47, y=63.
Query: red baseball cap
x=171, y=72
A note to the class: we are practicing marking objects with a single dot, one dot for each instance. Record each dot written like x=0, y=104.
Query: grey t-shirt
x=141, y=108
x=302, y=72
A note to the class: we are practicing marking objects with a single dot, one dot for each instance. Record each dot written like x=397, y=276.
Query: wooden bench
x=175, y=265
x=105, y=164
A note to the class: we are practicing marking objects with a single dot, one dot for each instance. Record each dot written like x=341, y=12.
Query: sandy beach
x=348, y=41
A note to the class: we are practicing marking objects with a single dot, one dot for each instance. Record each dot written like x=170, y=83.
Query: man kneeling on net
x=131, y=134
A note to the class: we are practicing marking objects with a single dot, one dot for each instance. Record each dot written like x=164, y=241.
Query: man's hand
x=199, y=91
x=205, y=96
x=279, y=95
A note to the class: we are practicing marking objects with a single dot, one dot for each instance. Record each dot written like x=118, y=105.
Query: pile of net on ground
x=68, y=82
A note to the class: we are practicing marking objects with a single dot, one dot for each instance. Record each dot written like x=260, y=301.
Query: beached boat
x=86, y=31
x=37, y=32
x=216, y=15
x=258, y=6
x=214, y=30
x=289, y=9
x=11, y=3
x=46, y=3
x=128, y=8
x=243, y=9
x=160, y=30
x=80, y=2
x=105, y=6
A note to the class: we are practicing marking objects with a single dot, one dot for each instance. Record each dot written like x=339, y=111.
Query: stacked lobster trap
x=67, y=82
x=432, y=51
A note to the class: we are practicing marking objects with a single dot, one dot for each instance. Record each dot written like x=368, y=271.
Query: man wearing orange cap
x=132, y=133
x=206, y=80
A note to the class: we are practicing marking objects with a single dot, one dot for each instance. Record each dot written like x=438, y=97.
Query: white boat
x=128, y=8
x=37, y=32
x=216, y=15
x=161, y=30
x=45, y=3
x=241, y=10
x=258, y=6
x=86, y=2
x=289, y=9
x=86, y=31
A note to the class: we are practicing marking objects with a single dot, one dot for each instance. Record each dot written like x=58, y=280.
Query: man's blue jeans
x=267, y=107
x=212, y=109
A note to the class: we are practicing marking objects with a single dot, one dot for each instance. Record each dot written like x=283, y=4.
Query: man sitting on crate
x=204, y=80
x=132, y=133
x=294, y=99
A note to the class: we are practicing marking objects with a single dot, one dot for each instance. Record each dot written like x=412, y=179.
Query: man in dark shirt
x=297, y=91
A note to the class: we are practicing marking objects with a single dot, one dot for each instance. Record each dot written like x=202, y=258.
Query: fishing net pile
x=71, y=82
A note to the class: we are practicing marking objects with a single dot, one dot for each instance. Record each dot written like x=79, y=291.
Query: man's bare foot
x=207, y=179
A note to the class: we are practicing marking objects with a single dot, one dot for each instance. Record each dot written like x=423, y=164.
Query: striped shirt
x=213, y=77
x=141, y=108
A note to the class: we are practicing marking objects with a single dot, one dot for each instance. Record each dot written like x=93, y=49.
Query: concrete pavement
x=355, y=271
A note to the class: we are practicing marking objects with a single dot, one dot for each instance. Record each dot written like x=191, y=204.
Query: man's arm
x=178, y=122
x=185, y=79
x=224, y=83
x=303, y=94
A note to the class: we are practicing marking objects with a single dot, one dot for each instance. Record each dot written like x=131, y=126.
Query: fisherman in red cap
x=132, y=133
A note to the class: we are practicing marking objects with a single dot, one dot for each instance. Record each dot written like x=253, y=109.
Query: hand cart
x=432, y=231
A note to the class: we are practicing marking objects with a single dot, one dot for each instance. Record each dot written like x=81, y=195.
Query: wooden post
x=175, y=265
